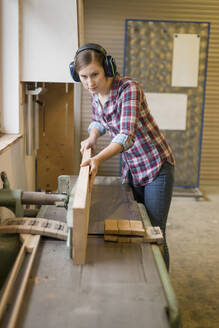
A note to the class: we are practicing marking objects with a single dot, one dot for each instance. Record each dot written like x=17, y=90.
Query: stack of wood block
x=131, y=231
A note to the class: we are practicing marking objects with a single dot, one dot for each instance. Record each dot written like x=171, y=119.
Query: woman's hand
x=93, y=164
x=89, y=143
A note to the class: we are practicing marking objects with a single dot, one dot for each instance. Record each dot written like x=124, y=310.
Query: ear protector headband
x=109, y=64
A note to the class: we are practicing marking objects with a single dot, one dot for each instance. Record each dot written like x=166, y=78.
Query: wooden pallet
x=35, y=226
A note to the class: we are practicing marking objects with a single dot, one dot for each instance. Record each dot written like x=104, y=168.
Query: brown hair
x=85, y=57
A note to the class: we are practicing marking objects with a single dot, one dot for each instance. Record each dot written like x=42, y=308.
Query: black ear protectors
x=109, y=65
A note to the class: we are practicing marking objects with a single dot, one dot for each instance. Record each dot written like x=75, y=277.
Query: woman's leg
x=156, y=197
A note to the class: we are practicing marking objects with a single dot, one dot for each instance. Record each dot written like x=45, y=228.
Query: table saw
x=121, y=284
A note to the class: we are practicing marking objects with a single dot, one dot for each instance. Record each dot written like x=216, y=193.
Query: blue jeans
x=156, y=196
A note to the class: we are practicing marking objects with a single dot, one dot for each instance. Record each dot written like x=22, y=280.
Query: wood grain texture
x=110, y=227
x=131, y=231
x=7, y=140
x=55, y=155
x=35, y=226
x=30, y=245
x=137, y=228
x=81, y=212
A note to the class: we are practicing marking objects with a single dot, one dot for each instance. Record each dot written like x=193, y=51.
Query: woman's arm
x=91, y=141
x=94, y=162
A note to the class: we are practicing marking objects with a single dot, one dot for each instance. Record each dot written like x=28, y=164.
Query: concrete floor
x=193, y=239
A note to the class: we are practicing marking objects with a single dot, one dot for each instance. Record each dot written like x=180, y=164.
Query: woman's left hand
x=93, y=164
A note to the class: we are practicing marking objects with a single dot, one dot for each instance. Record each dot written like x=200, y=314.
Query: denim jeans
x=156, y=196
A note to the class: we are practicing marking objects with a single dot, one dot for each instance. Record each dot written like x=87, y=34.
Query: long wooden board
x=81, y=212
x=30, y=245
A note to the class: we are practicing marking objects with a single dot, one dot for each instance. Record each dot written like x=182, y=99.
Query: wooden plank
x=35, y=226
x=7, y=140
x=80, y=13
x=55, y=156
x=81, y=211
x=111, y=227
x=31, y=246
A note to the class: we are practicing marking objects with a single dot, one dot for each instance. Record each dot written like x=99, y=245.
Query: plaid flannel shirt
x=127, y=119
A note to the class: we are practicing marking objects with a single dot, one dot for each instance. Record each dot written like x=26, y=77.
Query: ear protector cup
x=109, y=66
x=109, y=63
x=73, y=72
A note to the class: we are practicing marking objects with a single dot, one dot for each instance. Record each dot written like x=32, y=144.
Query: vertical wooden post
x=81, y=211
x=80, y=14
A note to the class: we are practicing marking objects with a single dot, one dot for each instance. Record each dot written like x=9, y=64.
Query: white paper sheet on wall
x=49, y=40
x=168, y=109
x=185, y=65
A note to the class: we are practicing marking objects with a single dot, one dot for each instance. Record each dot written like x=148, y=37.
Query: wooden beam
x=81, y=212
x=30, y=245
x=80, y=13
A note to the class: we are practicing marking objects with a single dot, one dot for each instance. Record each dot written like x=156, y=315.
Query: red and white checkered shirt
x=128, y=120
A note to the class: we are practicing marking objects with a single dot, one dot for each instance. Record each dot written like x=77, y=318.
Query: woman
x=119, y=107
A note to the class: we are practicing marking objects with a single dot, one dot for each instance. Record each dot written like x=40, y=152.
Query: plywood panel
x=56, y=136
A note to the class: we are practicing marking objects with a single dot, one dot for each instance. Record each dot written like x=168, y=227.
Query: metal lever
x=30, y=117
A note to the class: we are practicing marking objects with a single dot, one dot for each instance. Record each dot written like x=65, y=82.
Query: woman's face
x=93, y=78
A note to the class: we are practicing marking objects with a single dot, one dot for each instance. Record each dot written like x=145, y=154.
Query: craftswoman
x=120, y=108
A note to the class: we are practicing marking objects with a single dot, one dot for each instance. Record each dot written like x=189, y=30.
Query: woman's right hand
x=87, y=144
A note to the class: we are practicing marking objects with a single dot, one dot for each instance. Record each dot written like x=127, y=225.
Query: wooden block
x=62, y=231
x=153, y=234
x=113, y=238
x=124, y=227
x=81, y=212
x=111, y=227
x=137, y=228
x=136, y=240
x=124, y=239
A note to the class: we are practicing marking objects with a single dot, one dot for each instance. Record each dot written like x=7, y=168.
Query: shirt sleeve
x=130, y=99
x=98, y=126
x=95, y=119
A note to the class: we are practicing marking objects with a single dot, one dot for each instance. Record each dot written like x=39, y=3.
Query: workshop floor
x=193, y=239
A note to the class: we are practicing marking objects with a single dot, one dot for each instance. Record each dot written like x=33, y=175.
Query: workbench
x=121, y=285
